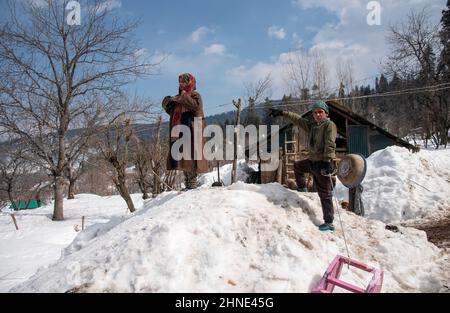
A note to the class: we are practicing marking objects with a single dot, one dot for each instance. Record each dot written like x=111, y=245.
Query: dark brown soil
x=437, y=232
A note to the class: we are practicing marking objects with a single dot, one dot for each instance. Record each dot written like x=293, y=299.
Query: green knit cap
x=320, y=105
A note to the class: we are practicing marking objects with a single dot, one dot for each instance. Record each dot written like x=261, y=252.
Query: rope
x=340, y=220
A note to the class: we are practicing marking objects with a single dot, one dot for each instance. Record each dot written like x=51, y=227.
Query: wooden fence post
x=238, y=121
x=14, y=220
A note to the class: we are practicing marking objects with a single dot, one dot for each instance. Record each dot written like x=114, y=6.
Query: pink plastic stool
x=331, y=277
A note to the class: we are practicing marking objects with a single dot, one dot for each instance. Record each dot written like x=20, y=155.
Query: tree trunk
x=123, y=190
x=444, y=136
x=70, y=192
x=59, y=191
x=129, y=202
x=144, y=189
x=11, y=199
x=58, y=213
x=126, y=196
x=156, y=182
x=38, y=199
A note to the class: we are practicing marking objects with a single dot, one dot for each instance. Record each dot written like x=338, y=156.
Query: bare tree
x=259, y=90
x=149, y=160
x=159, y=154
x=54, y=74
x=12, y=167
x=76, y=166
x=298, y=74
x=142, y=162
x=408, y=41
x=345, y=73
x=114, y=146
x=413, y=46
x=319, y=74
x=306, y=74
x=255, y=92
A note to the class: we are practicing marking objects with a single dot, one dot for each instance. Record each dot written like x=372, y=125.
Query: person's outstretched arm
x=297, y=120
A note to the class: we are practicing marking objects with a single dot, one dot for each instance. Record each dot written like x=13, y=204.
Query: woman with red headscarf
x=183, y=109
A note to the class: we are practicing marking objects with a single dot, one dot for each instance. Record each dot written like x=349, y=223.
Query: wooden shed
x=355, y=135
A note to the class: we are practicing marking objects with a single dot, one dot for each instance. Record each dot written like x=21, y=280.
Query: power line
x=328, y=90
x=434, y=88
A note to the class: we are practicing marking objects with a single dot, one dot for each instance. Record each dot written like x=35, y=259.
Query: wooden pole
x=238, y=121
x=14, y=220
x=82, y=223
x=156, y=170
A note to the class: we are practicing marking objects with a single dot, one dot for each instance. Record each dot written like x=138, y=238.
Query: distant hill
x=145, y=131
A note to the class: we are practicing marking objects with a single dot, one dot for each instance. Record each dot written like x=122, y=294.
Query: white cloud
x=109, y=5
x=217, y=49
x=239, y=75
x=351, y=37
x=297, y=41
x=200, y=32
x=276, y=32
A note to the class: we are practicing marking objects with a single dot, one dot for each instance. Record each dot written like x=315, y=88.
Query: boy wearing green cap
x=322, y=150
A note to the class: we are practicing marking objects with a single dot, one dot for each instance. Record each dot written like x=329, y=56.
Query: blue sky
x=211, y=38
x=228, y=43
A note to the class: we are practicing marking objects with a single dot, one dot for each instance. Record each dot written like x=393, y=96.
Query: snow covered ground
x=238, y=238
x=39, y=241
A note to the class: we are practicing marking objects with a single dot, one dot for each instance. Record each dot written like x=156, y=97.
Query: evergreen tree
x=444, y=34
x=427, y=73
x=305, y=94
x=395, y=83
x=383, y=85
x=267, y=120
x=341, y=90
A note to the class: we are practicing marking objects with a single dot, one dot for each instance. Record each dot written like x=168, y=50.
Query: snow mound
x=241, y=238
x=401, y=185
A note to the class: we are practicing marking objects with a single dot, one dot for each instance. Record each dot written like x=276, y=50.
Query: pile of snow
x=240, y=238
x=401, y=185
x=244, y=169
x=39, y=240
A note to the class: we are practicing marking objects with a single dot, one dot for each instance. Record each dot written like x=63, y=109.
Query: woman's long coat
x=182, y=109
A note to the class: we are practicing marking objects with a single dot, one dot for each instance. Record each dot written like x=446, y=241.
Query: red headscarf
x=189, y=86
x=188, y=79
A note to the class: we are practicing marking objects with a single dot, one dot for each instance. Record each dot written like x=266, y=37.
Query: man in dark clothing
x=322, y=150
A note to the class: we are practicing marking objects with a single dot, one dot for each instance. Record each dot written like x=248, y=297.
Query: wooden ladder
x=289, y=157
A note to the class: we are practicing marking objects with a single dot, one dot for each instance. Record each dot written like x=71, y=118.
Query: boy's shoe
x=326, y=226
x=302, y=189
